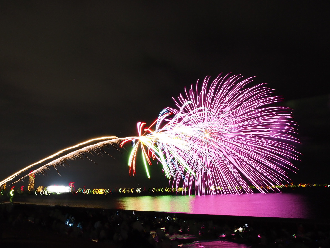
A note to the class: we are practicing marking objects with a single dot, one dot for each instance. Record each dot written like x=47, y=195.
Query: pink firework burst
x=226, y=138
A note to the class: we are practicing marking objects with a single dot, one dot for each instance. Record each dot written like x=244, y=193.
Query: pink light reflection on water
x=215, y=244
x=257, y=205
x=283, y=205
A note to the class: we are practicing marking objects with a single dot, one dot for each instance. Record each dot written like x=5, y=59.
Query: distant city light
x=58, y=189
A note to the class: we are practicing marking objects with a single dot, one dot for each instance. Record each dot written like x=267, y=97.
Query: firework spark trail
x=109, y=139
x=73, y=155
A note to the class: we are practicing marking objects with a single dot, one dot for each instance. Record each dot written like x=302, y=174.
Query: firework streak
x=77, y=151
x=226, y=138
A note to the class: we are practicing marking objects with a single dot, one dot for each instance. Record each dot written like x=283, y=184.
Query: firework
x=77, y=151
x=225, y=137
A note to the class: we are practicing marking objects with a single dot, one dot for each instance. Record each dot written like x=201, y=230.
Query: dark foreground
x=27, y=225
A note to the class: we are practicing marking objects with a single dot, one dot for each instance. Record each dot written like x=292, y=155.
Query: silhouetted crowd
x=153, y=229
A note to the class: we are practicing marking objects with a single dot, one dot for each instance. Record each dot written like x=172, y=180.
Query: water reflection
x=216, y=244
x=283, y=205
x=166, y=203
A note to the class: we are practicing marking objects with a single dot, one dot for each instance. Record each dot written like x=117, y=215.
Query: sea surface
x=304, y=204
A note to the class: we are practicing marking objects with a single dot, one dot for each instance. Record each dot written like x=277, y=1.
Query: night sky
x=75, y=70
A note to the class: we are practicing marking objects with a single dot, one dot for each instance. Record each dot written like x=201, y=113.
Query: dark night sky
x=74, y=70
